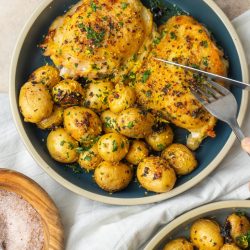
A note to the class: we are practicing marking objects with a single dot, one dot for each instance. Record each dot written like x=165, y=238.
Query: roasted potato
x=179, y=244
x=109, y=121
x=180, y=158
x=135, y=123
x=113, y=147
x=90, y=159
x=229, y=247
x=206, y=235
x=68, y=93
x=239, y=225
x=97, y=95
x=122, y=97
x=137, y=152
x=82, y=124
x=155, y=174
x=35, y=102
x=61, y=146
x=55, y=119
x=159, y=140
x=113, y=176
x=47, y=75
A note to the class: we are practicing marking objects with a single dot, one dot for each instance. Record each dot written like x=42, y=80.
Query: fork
x=220, y=102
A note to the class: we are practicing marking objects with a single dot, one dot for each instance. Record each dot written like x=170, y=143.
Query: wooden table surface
x=14, y=14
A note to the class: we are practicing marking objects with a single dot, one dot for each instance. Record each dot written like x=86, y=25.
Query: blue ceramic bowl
x=180, y=226
x=27, y=57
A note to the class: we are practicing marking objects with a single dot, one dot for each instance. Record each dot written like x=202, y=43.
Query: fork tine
x=218, y=87
x=198, y=97
x=205, y=93
x=213, y=91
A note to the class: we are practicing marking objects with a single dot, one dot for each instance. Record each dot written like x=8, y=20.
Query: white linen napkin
x=92, y=225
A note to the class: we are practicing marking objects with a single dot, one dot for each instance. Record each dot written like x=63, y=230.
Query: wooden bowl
x=30, y=191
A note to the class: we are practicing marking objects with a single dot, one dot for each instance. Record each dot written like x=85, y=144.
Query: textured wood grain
x=41, y=202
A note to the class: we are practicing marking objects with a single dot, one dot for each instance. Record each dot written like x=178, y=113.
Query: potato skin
x=122, y=97
x=47, y=75
x=113, y=177
x=239, y=225
x=55, y=119
x=135, y=123
x=61, y=146
x=159, y=140
x=113, y=147
x=180, y=158
x=229, y=247
x=179, y=244
x=205, y=235
x=109, y=121
x=137, y=152
x=68, y=93
x=82, y=124
x=35, y=102
x=155, y=174
x=97, y=95
x=90, y=159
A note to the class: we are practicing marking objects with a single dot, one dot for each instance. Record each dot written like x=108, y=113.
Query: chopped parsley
x=62, y=143
x=93, y=6
x=115, y=146
x=148, y=93
x=130, y=124
x=205, y=61
x=146, y=75
x=160, y=147
x=87, y=158
x=124, y=5
x=173, y=35
x=243, y=241
x=204, y=43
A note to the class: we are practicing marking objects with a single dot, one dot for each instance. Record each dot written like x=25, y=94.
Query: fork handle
x=237, y=130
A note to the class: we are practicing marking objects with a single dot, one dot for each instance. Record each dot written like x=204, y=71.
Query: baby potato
x=35, y=102
x=90, y=159
x=179, y=244
x=68, y=93
x=121, y=98
x=55, y=119
x=47, y=75
x=239, y=225
x=159, y=140
x=82, y=124
x=137, y=152
x=229, y=247
x=206, y=235
x=61, y=146
x=109, y=121
x=180, y=158
x=135, y=123
x=155, y=174
x=113, y=147
x=113, y=176
x=97, y=95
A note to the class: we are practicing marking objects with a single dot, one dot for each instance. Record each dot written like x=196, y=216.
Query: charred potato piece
x=137, y=152
x=61, y=146
x=179, y=244
x=109, y=121
x=97, y=95
x=90, y=159
x=113, y=177
x=135, y=123
x=68, y=93
x=180, y=158
x=155, y=174
x=113, y=147
x=47, y=75
x=35, y=102
x=123, y=97
x=239, y=225
x=55, y=119
x=206, y=235
x=159, y=140
x=82, y=124
x=229, y=247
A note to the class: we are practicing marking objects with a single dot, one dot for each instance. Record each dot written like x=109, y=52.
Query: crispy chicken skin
x=165, y=88
x=95, y=38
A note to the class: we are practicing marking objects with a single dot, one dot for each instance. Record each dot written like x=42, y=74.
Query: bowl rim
x=109, y=199
x=210, y=207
